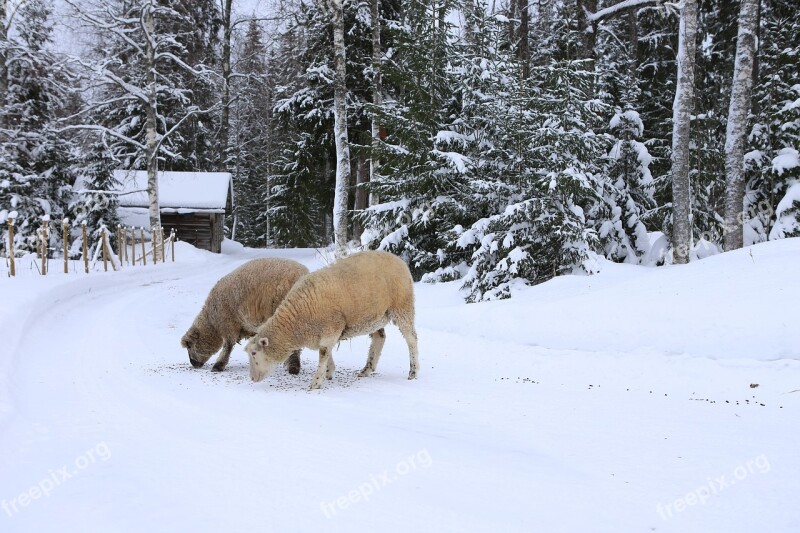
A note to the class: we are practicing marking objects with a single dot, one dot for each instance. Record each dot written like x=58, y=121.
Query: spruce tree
x=35, y=161
x=775, y=132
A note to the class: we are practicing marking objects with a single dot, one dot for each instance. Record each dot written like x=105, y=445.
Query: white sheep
x=237, y=305
x=356, y=295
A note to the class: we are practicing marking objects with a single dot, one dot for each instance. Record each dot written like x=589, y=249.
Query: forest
x=494, y=142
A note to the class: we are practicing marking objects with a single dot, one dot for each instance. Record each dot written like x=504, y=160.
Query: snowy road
x=108, y=428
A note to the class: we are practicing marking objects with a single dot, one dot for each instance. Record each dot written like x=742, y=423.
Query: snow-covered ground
x=636, y=400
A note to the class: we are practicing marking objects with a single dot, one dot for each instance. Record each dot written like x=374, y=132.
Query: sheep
x=356, y=295
x=237, y=305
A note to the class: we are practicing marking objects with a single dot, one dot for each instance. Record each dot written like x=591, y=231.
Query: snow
x=787, y=159
x=189, y=191
x=458, y=161
x=786, y=216
x=622, y=401
x=631, y=117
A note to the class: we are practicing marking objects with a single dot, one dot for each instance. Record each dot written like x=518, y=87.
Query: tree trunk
x=586, y=28
x=340, y=200
x=633, y=40
x=361, y=200
x=377, y=96
x=3, y=64
x=736, y=133
x=681, y=128
x=523, y=52
x=226, y=87
x=151, y=122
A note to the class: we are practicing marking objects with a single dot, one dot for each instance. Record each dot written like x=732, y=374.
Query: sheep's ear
x=263, y=342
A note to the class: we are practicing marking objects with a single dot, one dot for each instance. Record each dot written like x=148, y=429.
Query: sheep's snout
x=257, y=371
x=196, y=363
x=260, y=365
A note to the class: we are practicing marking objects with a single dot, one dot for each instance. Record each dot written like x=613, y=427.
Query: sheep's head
x=263, y=357
x=201, y=345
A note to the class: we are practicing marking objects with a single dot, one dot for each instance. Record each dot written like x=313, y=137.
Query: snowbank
x=739, y=304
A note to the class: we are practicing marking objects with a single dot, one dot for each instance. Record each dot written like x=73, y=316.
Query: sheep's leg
x=224, y=357
x=324, y=358
x=410, y=335
x=293, y=363
x=330, y=368
x=375, y=349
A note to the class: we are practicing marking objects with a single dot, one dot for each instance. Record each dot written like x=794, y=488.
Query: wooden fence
x=132, y=248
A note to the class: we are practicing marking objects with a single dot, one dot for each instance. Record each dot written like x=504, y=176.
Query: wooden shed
x=194, y=204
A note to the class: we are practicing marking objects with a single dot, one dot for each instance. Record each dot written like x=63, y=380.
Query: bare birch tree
x=334, y=10
x=135, y=26
x=681, y=130
x=736, y=133
x=377, y=88
x=226, y=83
x=3, y=65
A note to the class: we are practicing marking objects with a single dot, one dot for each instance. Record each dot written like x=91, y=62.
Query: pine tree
x=305, y=160
x=655, y=67
x=547, y=229
x=252, y=137
x=300, y=182
x=35, y=160
x=775, y=131
x=629, y=194
x=421, y=176
x=96, y=206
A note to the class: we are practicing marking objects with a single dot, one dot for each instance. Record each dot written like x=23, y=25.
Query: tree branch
x=617, y=8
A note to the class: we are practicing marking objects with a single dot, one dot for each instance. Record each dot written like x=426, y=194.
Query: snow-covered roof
x=183, y=191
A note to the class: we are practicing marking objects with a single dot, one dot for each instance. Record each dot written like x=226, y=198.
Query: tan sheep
x=357, y=295
x=237, y=305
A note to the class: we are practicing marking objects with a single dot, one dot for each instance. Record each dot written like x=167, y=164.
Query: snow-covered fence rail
x=160, y=248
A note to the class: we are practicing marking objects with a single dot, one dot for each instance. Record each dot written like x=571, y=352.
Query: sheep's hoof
x=218, y=368
x=412, y=375
x=364, y=373
x=293, y=364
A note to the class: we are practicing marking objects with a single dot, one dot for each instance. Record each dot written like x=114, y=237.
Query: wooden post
x=133, y=246
x=172, y=238
x=41, y=247
x=119, y=243
x=65, y=238
x=144, y=252
x=45, y=238
x=13, y=270
x=154, y=242
x=163, y=252
x=85, y=248
x=105, y=252
x=124, y=246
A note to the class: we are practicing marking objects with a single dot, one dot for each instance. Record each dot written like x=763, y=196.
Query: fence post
x=85, y=248
x=144, y=252
x=133, y=246
x=103, y=245
x=65, y=238
x=45, y=238
x=172, y=238
x=154, y=242
x=119, y=243
x=13, y=270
